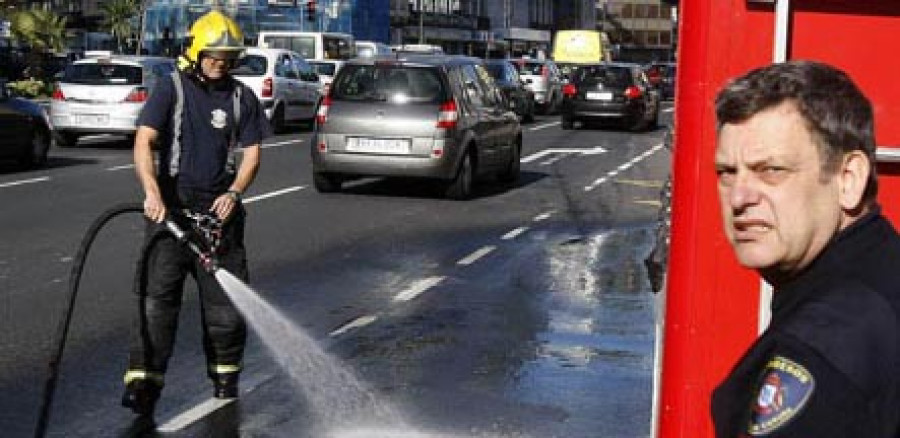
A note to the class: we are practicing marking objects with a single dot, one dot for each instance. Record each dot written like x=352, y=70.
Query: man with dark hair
x=797, y=189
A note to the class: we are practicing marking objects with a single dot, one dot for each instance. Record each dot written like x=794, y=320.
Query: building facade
x=640, y=30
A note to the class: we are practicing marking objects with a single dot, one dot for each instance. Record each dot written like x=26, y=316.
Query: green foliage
x=31, y=88
x=42, y=30
x=118, y=18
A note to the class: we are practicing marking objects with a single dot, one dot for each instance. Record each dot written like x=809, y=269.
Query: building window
x=627, y=11
x=654, y=11
x=665, y=38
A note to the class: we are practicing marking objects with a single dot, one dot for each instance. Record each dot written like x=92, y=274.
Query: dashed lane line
x=668, y=110
x=472, y=258
x=623, y=167
x=360, y=322
x=544, y=216
x=544, y=126
x=280, y=143
x=514, y=233
x=25, y=181
x=273, y=194
x=418, y=288
x=122, y=167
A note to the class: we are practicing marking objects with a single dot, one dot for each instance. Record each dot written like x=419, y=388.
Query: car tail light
x=267, y=87
x=633, y=92
x=58, y=94
x=448, y=115
x=322, y=114
x=569, y=90
x=139, y=94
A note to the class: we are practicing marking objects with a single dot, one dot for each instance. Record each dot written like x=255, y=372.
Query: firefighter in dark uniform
x=197, y=118
x=797, y=186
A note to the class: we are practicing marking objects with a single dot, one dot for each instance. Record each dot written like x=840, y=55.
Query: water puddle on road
x=594, y=358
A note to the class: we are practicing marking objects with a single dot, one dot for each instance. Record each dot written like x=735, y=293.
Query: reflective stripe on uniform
x=224, y=369
x=132, y=375
x=175, y=156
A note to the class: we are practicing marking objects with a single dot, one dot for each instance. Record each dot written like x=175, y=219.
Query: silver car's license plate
x=378, y=145
x=92, y=119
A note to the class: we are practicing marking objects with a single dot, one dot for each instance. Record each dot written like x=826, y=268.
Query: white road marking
x=209, y=406
x=514, y=233
x=668, y=110
x=544, y=216
x=472, y=258
x=188, y=417
x=418, y=288
x=360, y=322
x=122, y=167
x=25, y=181
x=554, y=159
x=280, y=143
x=273, y=194
x=623, y=167
x=538, y=155
x=545, y=125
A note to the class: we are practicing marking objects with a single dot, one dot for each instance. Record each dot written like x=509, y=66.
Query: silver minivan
x=104, y=94
x=435, y=117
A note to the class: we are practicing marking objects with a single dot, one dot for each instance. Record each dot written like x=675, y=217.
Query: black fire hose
x=204, y=254
x=63, y=329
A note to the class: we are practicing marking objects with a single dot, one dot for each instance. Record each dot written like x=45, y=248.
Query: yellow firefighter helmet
x=215, y=31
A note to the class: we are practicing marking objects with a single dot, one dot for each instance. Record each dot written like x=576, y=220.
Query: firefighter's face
x=779, y=207
x=215, y=65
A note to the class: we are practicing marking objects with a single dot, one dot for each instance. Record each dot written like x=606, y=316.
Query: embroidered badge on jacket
x=219, y=118
x=785, y=390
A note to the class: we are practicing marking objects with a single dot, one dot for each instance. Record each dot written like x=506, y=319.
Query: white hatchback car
x=284, y=82
x=104, y=94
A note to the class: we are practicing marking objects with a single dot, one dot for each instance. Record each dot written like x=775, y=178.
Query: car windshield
x=323, y=68
x=395, y=84
x=103, y=74
x=606, y=75
x=250, y=65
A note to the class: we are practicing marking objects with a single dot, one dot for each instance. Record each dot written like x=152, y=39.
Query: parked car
x=662, y=76
x=104, y=94
x=429, y=116
x=326, y=69
x=616, y=91
x=26, y=132
x=284, y=82
x=544, y=79
x=518, y=96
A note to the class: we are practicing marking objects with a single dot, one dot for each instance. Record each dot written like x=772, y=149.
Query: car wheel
x=511, y=174
x=460, y=188
x=567, y=123
x=67, y=139
x=277, y=121
x=326, y=183
x=36, y=153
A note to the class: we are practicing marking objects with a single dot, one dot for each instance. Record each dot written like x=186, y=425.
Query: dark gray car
x=435, y=117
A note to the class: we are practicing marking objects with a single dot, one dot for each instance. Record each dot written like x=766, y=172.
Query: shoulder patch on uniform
x=785, y=389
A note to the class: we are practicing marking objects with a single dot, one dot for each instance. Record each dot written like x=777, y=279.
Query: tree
x=118, y=18
x=42, y=32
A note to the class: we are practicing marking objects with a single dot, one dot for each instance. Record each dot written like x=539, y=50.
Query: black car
x=25, y=128
x=520, y=98
x=610, y=91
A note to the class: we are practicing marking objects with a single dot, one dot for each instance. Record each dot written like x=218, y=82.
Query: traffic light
x=311, y=10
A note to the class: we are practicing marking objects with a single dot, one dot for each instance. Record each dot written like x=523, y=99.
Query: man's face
x=215, y=65
x=778, y=209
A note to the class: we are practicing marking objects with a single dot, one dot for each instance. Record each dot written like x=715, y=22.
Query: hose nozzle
x=206, y=258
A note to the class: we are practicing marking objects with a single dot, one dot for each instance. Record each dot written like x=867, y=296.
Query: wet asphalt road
x=525, y=312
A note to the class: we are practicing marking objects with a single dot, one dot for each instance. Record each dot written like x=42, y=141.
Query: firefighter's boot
x=225, y=384
x=141, y=396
